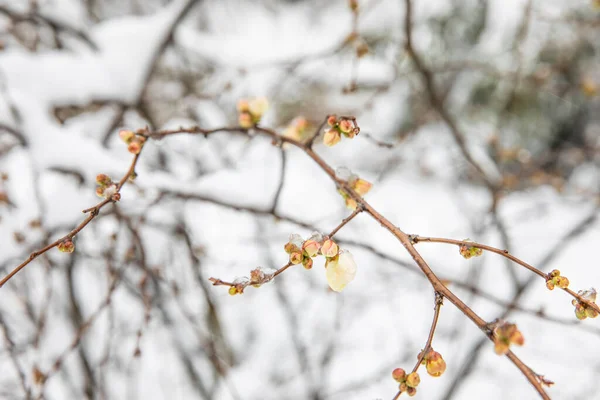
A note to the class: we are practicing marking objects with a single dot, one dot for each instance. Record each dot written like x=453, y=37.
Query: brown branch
x=93, y=213
x=503, y=253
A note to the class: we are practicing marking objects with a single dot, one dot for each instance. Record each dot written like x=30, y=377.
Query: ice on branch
x=582, y=310
x=506, y=334
x=468, y=251
x=360, y=186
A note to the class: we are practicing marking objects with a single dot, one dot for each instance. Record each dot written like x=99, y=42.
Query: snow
x=379, y=322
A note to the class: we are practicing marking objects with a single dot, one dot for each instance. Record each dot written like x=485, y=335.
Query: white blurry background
x=520, y=78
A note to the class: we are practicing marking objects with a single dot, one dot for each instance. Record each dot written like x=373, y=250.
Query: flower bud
x=233, y=290
x=434, y=363
x=134, y=147
x=126, y=135
x=361, y=186
x=243, y=106
x=399, y=374
x=66, y=246
x=411, y=391
x=468, y=251
x=103, y=180
x=245, y=120
x=331, y=120
x=100, y=191
x=329, y=248
x=346, y=126
x=258, y=107
x=311, y=248
x=413, y=380
x=296, y=257
x=307, y=262
x=332, y=137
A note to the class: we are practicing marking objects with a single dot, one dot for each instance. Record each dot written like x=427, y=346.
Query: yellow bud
x=232, y=290
x=329, y=248
x=243, y=106
x=296, y=257
x=245, y=120
x=134, y=147
x=311, y=247
x=258, y=107
x=332, y=137
x=66, y=246
x=362, y=187
x=307, y=263
x=399, y=374
x=413, y=380
x=126, y=135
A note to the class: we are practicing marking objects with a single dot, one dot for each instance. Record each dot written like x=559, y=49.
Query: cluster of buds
x=408, y=382
x=297, y=129
x=555, y=279
x=360, y=186
x=583, y=310
x=506, y=334
x=107, y=188
x=434, y=363
x=133, y=140
x=340, y=126
x=468, y=251
x=251, y=111
x=340, y=265
x=258, y=277
x=66, y=246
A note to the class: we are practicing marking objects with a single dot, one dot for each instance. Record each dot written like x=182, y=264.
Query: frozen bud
x=243, y=106
x=331, y=120
x=66, y=246
x=233, y=290
x=329, y=248
x=126, y=135
x=582, y=309
x=340, y=271
x=555, y=279
x=399, y=375
x=311, y=248
x=296, y=257
x=351, y=203
x=134, y=147
x=346, y=126
x=434, y=363
x=413, y=380
x=296, y=240
x=257, y=276
x=245, y=120
x=258, y=107
x=361, y=186
x=103, y=180
x=116, y=197
x=468, y=251
x=307, y=263
x=289, y=247
x=110, y=191
x=506, y=334
x=332, y=137
x=345, y=174
x=100, y=191
x=317, y=237
x=411, y=391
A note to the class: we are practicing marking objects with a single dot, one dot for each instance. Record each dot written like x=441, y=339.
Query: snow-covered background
x=521, y=80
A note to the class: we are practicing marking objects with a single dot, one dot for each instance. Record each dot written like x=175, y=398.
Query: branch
x=503, y=253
